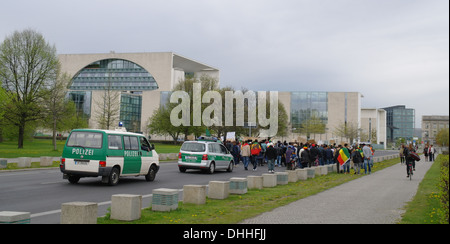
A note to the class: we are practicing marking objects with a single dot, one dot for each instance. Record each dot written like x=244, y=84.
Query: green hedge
x=443, y=190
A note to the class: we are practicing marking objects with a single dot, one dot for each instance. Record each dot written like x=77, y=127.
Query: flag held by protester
x=344, y=156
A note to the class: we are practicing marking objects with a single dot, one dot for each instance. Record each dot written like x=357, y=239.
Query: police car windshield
x=193, y=147
x=85, y=139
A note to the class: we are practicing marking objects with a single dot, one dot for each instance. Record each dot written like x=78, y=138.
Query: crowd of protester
x=299, y=155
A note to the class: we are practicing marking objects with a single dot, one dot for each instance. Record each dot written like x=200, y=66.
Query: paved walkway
x=378, y=198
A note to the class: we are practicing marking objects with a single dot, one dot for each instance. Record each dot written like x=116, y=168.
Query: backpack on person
x=255, y=149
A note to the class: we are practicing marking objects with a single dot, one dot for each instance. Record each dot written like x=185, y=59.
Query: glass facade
x=306, y=105
x=400, y=123
x=130, y=111
x=118, y=74
x=82, y=100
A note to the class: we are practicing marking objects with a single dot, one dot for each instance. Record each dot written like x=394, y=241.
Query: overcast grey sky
x=395, y=52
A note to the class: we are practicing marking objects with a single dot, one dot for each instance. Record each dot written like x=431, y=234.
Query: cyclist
x=410, y=162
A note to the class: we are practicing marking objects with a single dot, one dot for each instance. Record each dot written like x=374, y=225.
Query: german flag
x=344, y=156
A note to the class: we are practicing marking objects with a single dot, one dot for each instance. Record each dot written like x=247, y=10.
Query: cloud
x=392, y=51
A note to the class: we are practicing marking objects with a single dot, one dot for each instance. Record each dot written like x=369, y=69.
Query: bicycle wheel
x=410, y=172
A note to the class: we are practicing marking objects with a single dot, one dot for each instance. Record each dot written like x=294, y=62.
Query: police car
x=206, y=154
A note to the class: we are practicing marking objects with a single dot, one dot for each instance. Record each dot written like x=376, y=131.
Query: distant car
x=205, y=154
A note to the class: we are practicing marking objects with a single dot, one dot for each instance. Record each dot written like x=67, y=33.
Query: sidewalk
x=378, y=198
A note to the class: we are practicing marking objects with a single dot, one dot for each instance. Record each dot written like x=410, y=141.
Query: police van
x=206, y=154
x=109, y=154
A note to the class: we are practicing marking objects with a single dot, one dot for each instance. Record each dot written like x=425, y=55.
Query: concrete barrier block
x=335, y=168
x=292, y=175
x=126, y=207
x=302, y=174
x=269, y=180
x=323, y=170
x=10, y=217
x=195, y=194
x=79, y=213
x=254, y=182
x=165, y=200
x=238, y=185
x=3, y=163
x=282, y=178
x=330, y=168
x=46, y=161
x=24, y=162
x=311, y=172
x=219, y=189
x=317, y=170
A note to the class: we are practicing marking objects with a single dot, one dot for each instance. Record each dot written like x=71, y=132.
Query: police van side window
x=144, y=144
x=131, y=143
x=115, y=142
x=134, y=143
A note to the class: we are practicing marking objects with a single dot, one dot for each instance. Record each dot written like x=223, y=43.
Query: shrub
x=443, y=187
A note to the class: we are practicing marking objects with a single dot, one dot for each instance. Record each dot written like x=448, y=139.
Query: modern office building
x=135, y=80
x=400, y=123
x=373, y=126
x=332, y=109
x=431, y=125
x=141, y=82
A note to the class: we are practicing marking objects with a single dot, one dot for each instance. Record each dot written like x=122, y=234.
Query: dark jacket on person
x=271, y=153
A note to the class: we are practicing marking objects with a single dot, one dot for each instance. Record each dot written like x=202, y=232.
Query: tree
x=59, y=112
x=442, y=137
x=347, y=130
x=3, y=101
x=109, y=107
x=160, y=124
x=312, y=125
x=27, y=65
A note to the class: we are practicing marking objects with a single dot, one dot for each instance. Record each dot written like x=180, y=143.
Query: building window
x=116, y=74
x=307, y=105
x=130, y=111
x=82, y=100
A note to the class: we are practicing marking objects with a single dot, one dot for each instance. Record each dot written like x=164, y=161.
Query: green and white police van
x=109, y=154
x=205, y=154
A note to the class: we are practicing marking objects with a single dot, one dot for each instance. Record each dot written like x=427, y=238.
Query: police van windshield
x=193, y=147
x=85, y=139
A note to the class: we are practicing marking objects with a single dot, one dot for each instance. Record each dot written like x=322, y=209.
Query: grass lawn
x=44, y=147
x=425, y=205
x=31, y=148
x=239, y=207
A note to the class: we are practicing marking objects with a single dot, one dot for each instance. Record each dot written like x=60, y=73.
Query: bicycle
x=410, y=170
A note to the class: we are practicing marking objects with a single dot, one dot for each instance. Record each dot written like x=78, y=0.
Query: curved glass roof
x=118, y=74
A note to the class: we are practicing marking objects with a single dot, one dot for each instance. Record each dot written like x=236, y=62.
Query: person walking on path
x=425, y=152
x=255, y=150
x=402, y=157
x=431, y=152
x=245, y=153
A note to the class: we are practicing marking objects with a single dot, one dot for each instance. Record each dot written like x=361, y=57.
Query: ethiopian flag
x=344, y=156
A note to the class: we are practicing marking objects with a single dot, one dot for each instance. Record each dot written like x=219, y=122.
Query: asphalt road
x=41, y=192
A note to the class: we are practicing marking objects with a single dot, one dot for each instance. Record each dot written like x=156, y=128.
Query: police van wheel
x=74, y=179
x=113, y=177
x=150, y=176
